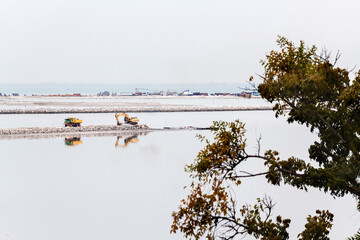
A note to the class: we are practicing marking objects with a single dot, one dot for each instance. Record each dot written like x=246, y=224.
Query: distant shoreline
x=44, y=105
x=118, y=97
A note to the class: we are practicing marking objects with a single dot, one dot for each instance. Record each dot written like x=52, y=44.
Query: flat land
x=52, y=105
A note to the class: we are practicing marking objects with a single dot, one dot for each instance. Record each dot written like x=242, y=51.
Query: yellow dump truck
x=72, y=122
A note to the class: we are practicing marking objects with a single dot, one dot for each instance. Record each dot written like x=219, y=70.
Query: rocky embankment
x=49, y=110
x=87, y=129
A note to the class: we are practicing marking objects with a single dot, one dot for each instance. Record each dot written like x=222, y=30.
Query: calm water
x=207, y=101
x=95, y=190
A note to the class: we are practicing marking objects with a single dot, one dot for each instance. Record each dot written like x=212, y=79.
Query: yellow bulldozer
x=127, y=119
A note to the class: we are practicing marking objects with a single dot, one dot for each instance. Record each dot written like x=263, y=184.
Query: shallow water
x=95, y=190
x=206, y=101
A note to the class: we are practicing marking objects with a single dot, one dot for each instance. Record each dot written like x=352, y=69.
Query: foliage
x=317, y=227
x=211, y=210
x=324, y=98
x=355, y=237
x=310, y=90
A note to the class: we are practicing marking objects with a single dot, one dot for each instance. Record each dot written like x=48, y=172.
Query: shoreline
x=111, y=104
x=134, y=109
x=118, y=97
x=123, y=129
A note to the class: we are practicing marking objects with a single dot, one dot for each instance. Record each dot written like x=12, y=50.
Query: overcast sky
x=163, y=41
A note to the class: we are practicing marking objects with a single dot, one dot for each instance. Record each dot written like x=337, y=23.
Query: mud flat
x=83, y=129
x=160, y=108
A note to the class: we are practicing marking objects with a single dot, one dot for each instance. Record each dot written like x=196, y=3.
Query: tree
x=310, y=90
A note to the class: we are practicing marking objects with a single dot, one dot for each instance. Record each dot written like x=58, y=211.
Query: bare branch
x=248, y=175
x=258, y=140
x=337, y=57
x=269, y=205
x=351, y=70
x=260, y=76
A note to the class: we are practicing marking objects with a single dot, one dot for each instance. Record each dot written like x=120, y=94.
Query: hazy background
x=163, y=41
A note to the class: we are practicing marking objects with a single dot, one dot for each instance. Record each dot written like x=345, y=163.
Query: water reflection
x=86, y=191
x=75, y=135
x=72, y=141
x=127, y=141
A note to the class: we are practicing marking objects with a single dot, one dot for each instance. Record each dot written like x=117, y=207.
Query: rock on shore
x=49, y=110
x=50, y=130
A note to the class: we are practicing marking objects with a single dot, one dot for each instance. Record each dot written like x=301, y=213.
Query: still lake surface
x=95, y=190
x=165, y=100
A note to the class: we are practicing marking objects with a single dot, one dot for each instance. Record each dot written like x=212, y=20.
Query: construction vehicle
x=173, y=93
x=72, y=122
x=147, y=92
x=186, y=93
x=127, y=119
x=127, y=141
x=73, y=141
x=138, y=92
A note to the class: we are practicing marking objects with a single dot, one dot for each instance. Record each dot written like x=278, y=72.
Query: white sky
x=163, y=41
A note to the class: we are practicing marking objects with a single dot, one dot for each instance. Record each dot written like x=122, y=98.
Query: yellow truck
x=72, y=122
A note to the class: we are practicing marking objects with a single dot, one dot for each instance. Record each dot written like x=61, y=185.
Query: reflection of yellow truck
x=127, y=119
x=72, y=122
x=73, y=141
